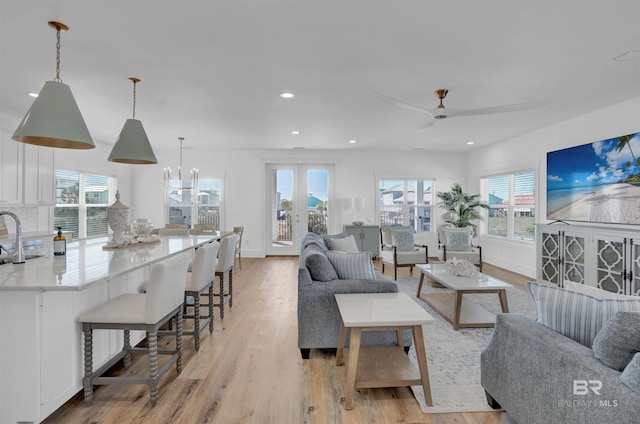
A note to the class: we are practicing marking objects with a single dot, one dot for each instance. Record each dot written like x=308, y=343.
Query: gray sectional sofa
x=541, y=376
x=318, y=315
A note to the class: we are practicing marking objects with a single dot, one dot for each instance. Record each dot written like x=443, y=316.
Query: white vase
x=118, y=217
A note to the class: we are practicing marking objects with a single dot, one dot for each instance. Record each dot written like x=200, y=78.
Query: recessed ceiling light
x=33, y=94
x=295, y=132
x=353, y=141
x=470, y=143
x=287, y=95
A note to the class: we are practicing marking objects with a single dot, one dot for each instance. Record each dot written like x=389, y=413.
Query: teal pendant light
x=54, y=119
x=133, y=144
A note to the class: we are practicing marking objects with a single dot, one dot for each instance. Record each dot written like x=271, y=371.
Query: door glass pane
x=318, y=193
x=209, y=199
x=282, y=231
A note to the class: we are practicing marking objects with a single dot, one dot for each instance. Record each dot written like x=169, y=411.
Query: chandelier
x=192, y=182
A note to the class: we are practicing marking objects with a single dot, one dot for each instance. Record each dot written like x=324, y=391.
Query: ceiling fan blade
x=515, y=107
x=401, y=103
x=426, y=126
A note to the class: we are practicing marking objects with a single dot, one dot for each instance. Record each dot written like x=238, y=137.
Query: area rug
x=453, y=357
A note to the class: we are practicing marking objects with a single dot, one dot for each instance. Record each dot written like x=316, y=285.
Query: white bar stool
x=199, y=281
x=226, y=259
x=139, y=311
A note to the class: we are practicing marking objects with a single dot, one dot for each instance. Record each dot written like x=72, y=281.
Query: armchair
x=398, y=249
x=457, y=242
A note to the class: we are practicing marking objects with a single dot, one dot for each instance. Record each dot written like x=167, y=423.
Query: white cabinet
x=367, y=237
x=39, y=181
x=602, y=257
x=10, y=170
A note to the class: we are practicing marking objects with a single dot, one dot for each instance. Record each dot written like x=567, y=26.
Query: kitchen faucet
x=18, y=257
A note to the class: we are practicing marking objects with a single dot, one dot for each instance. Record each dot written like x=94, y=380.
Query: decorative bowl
x=141, y=227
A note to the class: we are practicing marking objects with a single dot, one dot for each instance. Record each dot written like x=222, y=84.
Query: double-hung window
x=406, y=202
x=82, y=200
x=512, y=205
x=198, y=205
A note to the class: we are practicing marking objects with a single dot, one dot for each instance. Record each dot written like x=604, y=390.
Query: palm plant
x=461, y=208
x=623, y=141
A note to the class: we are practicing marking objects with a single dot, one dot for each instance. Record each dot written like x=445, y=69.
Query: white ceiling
x=212, y=71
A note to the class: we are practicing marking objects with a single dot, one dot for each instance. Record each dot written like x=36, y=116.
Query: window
x=81, y=203
x=406, y=202
x=205, y=210
x=512, y=206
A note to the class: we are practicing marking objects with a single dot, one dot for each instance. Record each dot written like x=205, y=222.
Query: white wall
x=244, y=176
x=529, y=151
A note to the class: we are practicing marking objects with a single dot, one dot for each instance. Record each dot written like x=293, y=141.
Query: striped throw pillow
x=576, y=315
x=352, y=266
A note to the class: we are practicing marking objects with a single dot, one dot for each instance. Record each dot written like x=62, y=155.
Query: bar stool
x=226, y=258
x=199, y=281
x=139, y=311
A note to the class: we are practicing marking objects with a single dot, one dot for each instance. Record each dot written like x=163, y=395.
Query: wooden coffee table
x=450, y=305
x=382, y=366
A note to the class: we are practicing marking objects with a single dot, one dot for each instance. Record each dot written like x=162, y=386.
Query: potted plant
x=461, y=208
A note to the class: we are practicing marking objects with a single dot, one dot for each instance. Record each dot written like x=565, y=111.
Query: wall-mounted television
x=596, y=182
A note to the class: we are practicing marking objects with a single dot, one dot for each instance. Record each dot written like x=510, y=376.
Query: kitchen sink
x=9, y=259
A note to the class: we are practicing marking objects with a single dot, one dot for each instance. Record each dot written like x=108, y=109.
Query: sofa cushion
x=327, y=237
x=347, y=244
x=319, y=267
x=576, y=315
x=631, y=374
x=458, y=239
x=618, y=340
x=402, y=240
x=352, y=266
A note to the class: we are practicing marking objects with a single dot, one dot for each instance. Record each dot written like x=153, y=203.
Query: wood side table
x=382, y=366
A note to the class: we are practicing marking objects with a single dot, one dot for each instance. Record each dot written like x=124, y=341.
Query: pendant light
x=133, y=144
x=193, y=174
x=54, y=119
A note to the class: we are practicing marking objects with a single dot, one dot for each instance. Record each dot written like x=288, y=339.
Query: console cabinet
x=367, y=237
x=606, y=258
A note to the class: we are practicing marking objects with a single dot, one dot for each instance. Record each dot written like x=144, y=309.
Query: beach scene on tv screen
x=596, y=182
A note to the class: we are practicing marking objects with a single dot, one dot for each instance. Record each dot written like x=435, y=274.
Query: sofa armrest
x=530, y=371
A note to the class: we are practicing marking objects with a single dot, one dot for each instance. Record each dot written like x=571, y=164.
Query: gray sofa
x=530, y=371
x=318, y=315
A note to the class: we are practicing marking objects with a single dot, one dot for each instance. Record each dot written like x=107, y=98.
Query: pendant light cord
x=134, y=99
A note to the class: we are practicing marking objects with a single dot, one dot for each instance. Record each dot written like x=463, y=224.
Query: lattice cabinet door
x=633, y=279
x=549, y=256
x=610, y=263
x=573, y=252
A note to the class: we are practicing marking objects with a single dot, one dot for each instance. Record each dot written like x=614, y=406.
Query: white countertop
x=87, y=263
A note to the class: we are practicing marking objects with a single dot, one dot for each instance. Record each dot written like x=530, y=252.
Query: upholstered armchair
x=399, y=250
x=454, y=242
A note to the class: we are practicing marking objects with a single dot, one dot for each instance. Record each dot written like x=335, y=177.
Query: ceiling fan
x=441, y=112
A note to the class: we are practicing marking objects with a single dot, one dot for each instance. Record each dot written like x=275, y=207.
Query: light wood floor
x=250, y=370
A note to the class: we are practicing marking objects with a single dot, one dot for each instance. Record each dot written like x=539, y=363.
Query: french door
x=299, y=200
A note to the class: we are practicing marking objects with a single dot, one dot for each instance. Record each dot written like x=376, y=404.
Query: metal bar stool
x=139, y=311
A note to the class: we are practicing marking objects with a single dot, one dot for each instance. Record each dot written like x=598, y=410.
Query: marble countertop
x=87, y=263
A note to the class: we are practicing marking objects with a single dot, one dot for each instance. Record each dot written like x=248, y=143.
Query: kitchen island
x=41, y=362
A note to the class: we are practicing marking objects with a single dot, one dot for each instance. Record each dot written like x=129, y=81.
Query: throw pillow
x=458, y=239
x=403, y=240
x=327, y=237
x=347, y=244
x=594, y=291
x=352, y=266
x=387, y=232
x=320, y=268
x=575, y=315
x=618, y=340
x=631, y=374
